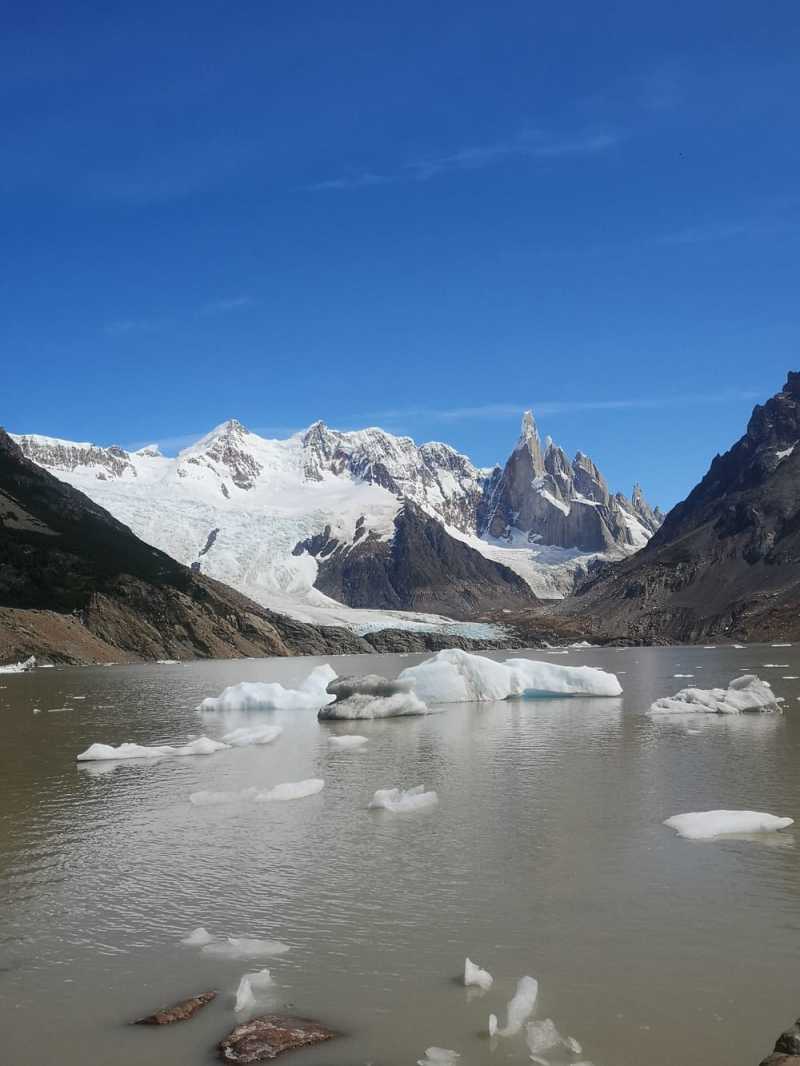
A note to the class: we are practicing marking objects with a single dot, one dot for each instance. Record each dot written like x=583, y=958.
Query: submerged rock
x=787, y=1048
x=180, y=1012
x=266, y=1037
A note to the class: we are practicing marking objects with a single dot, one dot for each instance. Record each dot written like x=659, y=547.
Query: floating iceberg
x=247, y=994
x=270, y=695
x=201, y=746
x=543, y=1036
x=400, y=801
x=438, y=1056
x=292, y=790
x=455, y=676
x=521, y=1006
x=19, y=668
x=746, y=693
x=243, y=738
x=493, y=1030
x=348, y=742
x=705, y=825
x=474, y=975
x=371, y=697
x=245, y=948
x=198, y=937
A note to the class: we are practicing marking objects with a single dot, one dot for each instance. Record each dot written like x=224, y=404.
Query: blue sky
x=425, y=216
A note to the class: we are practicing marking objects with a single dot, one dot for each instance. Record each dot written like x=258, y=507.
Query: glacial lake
x=545, y=856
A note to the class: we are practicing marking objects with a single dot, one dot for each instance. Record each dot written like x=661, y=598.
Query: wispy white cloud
x=560, y=407
x=531, y=144
x=122, y=326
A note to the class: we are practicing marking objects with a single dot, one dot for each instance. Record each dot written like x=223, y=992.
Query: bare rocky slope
x=78, y=586
x=726, y=561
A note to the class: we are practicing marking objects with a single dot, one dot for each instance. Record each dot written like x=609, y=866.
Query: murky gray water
x=545, y=856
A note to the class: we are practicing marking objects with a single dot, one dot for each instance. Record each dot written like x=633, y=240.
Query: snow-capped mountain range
x=282, y=520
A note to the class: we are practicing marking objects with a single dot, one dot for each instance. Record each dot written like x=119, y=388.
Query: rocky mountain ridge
x=251, y=512
x=726, y=561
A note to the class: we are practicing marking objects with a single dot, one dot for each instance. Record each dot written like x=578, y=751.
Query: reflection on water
x=544, y=856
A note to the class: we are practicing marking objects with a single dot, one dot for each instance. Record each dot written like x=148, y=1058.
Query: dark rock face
x=77, y=586
x=180, y=1012
x=726, y=561
x=267, y=1037
x=421, y=568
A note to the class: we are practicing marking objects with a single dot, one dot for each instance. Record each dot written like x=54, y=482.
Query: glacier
x=236, y=506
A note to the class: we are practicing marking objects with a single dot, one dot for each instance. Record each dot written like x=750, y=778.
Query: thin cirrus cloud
x=561, y=407
x=224, y=306
x=530, y=145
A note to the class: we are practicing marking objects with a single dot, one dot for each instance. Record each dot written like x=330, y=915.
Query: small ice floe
x=58, y=710
x=746, y=693
x=232, y=947
x=705, y=825
x=790, y=677
x=251, y=989
x=76, y=697
x=776, y=666
x=371, y=696
x=543, y=1036
x=521, y=1006
x=582, y=644
x=167, y=662
x=291, y=790
x=739, y=647
x=780, y=645
x=455, y=676
x=438, y=1056
x=493, y=1029
x=20, y=667
x=201, y=746
x=403, y=801
x=474, y=975
x=347, y=743
x=270, y=695
x=245, y=737
x=37, y=710
x=683, y=675
x=198, y=938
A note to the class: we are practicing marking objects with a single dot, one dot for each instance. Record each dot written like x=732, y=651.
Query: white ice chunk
x=493, y=1030
x=201, y=746
x=244, y=737
x=438, y=1056
x=251, y=988
x=455, y=676
x=246, y=948
x=348, y=742
x=291, y=790
x=269, y=695
x=20, y=667
x=521, y=1006
x=474, y=975
x=401, y=801
x=746, y=693
x=198, y=937
x=705, y=825
x=542, y=1036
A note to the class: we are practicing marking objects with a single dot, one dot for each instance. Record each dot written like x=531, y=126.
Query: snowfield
x=235, y=505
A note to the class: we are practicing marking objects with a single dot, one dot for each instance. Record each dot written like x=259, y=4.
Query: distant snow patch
x=20, y=667
x=705, y=825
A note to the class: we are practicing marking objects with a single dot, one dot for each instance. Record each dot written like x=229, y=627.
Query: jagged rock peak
x=528, y=430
